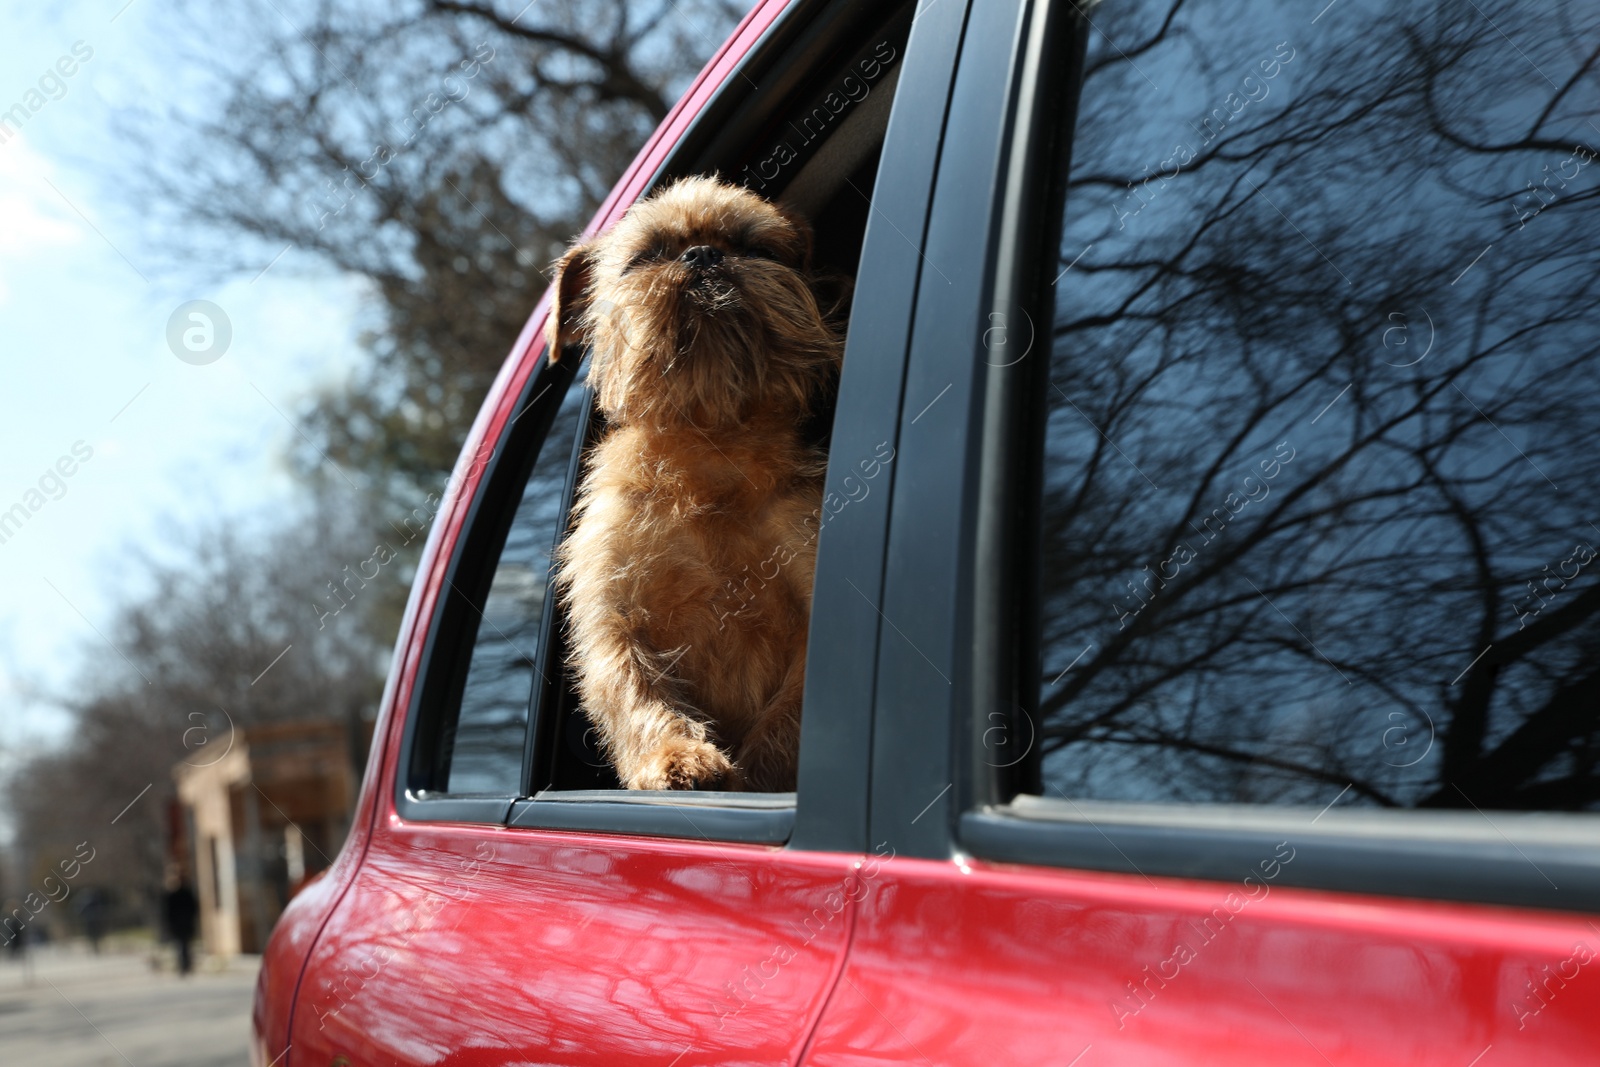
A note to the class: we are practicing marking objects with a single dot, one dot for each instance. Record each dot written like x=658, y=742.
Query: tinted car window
x=491, y=729
x=1320, y=476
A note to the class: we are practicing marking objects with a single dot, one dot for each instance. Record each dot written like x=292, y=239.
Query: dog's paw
x=686, y=764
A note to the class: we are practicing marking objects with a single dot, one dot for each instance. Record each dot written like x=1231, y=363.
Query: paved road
x=115, y=1011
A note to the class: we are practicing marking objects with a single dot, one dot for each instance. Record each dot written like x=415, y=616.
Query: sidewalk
x=114, y=1010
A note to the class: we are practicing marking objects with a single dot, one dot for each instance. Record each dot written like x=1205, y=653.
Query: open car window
x=498, y=731
x=817, y=153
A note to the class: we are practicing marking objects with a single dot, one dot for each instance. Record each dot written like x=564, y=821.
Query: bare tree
x=446, y=150
x=291, y=625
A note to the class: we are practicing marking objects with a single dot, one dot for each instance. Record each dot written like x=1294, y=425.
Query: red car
x=1205, y=651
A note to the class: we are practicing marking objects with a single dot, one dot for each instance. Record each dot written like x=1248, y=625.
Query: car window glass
x=1320, y=482
x=490, y=732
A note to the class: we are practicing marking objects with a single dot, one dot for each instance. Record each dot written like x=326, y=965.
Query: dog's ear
x=574, y=273
x=802, y=230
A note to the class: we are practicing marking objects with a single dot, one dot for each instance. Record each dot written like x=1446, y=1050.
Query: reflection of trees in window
x=1324, y=446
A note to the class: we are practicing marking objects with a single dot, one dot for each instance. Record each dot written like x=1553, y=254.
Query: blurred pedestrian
x=181, y=909
x=92, y=907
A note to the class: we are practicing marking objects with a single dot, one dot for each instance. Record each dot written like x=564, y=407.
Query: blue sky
x=86, y=292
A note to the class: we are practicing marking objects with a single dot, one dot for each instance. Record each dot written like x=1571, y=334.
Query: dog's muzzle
x=701, y=257
x=705, y=278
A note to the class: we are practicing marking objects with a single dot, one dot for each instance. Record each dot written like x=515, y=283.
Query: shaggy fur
x=688, y=650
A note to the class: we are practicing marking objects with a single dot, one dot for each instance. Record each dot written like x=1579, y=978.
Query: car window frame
x=828, y=811
x=1513, y=859
x=930, y=665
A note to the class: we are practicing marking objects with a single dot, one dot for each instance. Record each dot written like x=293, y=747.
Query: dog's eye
x=759, y=252
x=644, y=256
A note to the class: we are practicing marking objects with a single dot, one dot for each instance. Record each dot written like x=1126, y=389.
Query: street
x=114, y=1010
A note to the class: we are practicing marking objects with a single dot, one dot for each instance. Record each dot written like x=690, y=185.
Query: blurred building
x=261, y=819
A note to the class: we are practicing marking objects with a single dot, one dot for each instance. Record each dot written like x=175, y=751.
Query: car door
x=512, y=904
x=1238, y=706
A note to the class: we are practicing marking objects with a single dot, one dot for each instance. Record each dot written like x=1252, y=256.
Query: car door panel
x=487, y=945
x=974, y=964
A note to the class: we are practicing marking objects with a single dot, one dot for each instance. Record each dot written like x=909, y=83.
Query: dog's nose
x=700, y=257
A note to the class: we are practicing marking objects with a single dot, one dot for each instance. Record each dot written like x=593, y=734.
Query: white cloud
x=35, y=217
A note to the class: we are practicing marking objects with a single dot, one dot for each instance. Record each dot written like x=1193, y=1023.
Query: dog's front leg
x=631, y=695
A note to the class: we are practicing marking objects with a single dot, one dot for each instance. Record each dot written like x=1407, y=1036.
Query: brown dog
x=687, y=575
